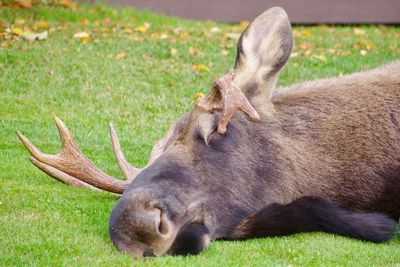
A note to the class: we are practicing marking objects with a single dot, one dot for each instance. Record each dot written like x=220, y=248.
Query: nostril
x=148, y=252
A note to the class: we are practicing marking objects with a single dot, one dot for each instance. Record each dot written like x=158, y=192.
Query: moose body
x=324, y=156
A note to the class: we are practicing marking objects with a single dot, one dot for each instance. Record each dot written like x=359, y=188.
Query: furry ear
x=262, y=50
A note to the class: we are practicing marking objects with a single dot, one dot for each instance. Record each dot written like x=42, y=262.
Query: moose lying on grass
x=317, y=156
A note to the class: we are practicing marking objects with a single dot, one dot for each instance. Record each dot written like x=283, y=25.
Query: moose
x=252, y=160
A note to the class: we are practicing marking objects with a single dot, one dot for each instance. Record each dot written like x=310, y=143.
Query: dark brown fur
x=325, y=157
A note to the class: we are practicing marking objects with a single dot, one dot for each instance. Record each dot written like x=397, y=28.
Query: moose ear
x=262, y=50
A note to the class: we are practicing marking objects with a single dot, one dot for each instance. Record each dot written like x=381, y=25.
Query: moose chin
x=251, y=160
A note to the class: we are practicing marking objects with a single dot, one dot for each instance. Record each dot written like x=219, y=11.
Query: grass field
x=140, y=71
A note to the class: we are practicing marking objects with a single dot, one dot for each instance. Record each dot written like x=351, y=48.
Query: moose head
x=222, y=174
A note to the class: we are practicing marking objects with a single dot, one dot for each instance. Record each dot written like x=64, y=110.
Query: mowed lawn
x=140, y=71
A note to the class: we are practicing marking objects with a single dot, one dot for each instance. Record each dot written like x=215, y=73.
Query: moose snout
x=140, y=228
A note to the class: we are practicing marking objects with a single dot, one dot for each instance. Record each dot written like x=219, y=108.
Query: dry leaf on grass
x=198, y=96
x=23, y=3
x=84, y=37
x=35, y=36
x=121, y=56
x=41, y=25
x=201, y=68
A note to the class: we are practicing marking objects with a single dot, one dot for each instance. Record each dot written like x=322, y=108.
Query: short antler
x=227, y=97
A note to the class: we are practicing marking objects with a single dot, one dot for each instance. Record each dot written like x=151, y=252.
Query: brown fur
x=326, y=145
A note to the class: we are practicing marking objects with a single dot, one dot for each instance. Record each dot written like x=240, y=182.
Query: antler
x=226, y=96
x=70, y=166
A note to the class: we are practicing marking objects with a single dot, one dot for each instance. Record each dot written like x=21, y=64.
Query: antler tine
x=33, y=150
x=65, y=135
x=60, y=175
x=130, y=172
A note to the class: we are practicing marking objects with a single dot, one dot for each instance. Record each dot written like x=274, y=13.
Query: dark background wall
x=300, y=11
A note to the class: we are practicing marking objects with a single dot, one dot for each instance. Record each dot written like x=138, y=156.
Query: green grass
x=43, y=222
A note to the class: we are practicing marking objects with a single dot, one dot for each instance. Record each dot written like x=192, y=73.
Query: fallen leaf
x=198, y=96
x=5, y=44
x=306, y=33
x=84, y=37
x=19, y=21
x=23, y=3
x=201, y=68
x=128, y=30
x=35, y=36
x=147, y=25
x=173, y=52
x=140, y=28
x=121, y=56
x=177, y=30
x=345, y=53
x=224, y=53
x=80, y=35
x=84, y=22
x=192, y=51
x=233, y=35
x=41, y=25
x=215, y=30
x=66, y=3
x=294, y=54
x=163, y=36
x=15, y=30
x=243, y=25
x=320, y=58
x=363, y=52
x=331, y=50
x=358, y=31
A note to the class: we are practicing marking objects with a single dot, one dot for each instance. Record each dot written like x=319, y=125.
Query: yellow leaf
x=198, y=96
x=363, y=52
x=320, y=58
x=141, y=29
x=41, y=25
x=243, y=25
x=121, y=56
x=84, y=22
x=81, y=35
x=306, y=33
x=19, y=21
x=84, y=37
x=358, y=31
x=174, y=52
x=201, y=68
x=16, y=30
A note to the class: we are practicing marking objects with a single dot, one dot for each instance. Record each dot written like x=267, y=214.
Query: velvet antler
x=225, y=96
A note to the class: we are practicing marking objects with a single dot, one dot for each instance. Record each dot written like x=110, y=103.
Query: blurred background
x=299, y=11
